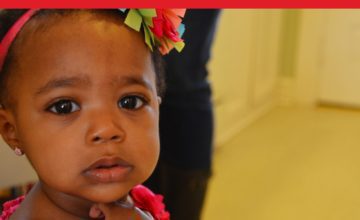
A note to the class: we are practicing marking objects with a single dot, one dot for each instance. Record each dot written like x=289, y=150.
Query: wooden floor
x=292, y=164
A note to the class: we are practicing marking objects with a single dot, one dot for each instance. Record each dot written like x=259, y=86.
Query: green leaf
x=179, y=46
x=148, y=21
x=148, y=37
x=134, y=19
x=147, y=12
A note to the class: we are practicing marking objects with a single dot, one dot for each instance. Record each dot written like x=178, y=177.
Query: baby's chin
x=106, y=193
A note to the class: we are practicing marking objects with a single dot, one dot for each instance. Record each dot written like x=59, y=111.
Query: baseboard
x=245, y=121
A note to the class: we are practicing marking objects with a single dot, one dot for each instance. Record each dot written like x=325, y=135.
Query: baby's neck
x=43, y=203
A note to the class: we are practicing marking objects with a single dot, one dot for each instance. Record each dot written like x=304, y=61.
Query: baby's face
x=86, y=112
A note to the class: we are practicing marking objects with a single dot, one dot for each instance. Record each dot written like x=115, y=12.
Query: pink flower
x=148, y=201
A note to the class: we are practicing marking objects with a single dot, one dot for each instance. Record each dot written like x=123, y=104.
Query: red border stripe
x=180, y=4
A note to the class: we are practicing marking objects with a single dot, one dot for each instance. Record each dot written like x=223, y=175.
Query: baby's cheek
x=54, y=165
x=148, y=147
x=146, y=159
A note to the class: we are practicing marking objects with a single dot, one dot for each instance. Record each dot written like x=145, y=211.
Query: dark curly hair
x=10, y=16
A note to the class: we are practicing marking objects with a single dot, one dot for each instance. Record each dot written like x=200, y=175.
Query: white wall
x=244, y=68
x=327, y=69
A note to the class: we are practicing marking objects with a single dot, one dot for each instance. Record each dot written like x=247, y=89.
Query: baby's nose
x=105, y=136
x=105, y=129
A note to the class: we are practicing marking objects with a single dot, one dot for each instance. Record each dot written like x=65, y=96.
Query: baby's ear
x=7, y=128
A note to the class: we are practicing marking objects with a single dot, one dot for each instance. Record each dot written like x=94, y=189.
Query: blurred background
x=287, y=103
x=287, y=99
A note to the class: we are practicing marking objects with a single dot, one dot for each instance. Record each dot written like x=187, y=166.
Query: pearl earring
x=18, y=151
x=159, y=99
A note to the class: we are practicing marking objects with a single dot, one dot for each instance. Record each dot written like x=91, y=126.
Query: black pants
x=186, y=121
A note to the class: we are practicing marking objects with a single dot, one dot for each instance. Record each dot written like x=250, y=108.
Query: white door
x=340, y=58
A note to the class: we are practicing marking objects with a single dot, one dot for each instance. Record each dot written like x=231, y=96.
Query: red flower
x=163, y=25
x=148, y=201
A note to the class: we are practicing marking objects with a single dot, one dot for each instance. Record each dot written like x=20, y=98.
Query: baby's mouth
x=106, y=167
x=108, y=170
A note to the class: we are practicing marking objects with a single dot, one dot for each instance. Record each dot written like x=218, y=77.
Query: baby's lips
x=108, y=162
x=108, y=170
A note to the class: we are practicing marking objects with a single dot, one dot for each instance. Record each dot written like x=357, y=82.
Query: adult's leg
x=186, y=121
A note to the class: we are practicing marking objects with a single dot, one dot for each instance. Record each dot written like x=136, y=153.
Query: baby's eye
x=64, y=106
x=131, y=102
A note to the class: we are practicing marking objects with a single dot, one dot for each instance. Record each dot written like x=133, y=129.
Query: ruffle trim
x=10, y=207
x=143, y=198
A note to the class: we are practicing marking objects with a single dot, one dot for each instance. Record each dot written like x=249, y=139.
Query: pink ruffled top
x=143, y=198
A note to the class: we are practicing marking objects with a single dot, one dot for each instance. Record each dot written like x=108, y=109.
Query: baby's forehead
x=82, y=45
x=51, y=15
x=44, y=20
x=79, y=28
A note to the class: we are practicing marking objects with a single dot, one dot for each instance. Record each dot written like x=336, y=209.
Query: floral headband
x=162, y=28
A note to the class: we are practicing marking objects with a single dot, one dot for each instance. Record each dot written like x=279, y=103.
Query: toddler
x=80, y=94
